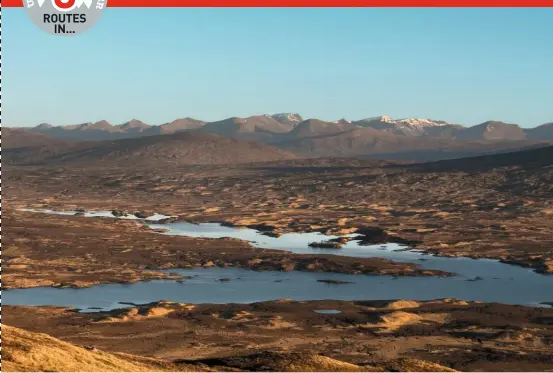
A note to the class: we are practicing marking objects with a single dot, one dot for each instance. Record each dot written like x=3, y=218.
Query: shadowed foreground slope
x=24, y=351
x=526, y=159
x=33, y=352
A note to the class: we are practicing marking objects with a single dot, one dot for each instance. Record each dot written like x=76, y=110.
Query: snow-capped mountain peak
x=382, y=118
x=423, y=122
x=415, y=122
x=405, y=126
x=288, y=118
x=408, y=121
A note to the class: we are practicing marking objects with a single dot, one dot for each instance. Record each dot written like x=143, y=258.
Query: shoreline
x=539, y=265
x=29, y=267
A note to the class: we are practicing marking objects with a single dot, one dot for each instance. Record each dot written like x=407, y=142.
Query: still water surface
x=498, y=282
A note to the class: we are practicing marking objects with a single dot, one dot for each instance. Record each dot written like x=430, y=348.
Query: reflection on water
x=479, y=280
x=99, y=214
x=247, y=286
x=328, y=312
x=298, y=243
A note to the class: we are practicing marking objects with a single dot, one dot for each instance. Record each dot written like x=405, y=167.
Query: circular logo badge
x=64, y=17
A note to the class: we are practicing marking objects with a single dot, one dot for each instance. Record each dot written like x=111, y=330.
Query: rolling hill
x=543, y=132
x=183, y=148
x=19, y=138
x=373, y=143
x=527, y=160
x=21, y=147
x=492, y=130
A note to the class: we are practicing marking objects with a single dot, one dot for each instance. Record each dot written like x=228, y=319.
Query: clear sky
x=461, y=65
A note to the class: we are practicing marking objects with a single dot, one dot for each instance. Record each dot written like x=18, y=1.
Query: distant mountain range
x=376, y=137
x=103, y=130
x=265, y=127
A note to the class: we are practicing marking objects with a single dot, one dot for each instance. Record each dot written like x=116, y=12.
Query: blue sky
x=461, y=65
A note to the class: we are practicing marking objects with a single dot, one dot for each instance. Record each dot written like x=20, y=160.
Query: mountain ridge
x=265, y=127
x=377, y=137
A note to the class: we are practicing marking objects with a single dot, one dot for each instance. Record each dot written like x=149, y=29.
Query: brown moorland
x=375, y=335
x=497, y=206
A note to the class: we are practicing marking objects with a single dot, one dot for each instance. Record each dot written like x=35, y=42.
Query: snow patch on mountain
x=290, y=118
x=414, y=122
x=407, y=126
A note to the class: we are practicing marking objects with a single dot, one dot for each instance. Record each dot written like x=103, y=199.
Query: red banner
x=314, y=3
